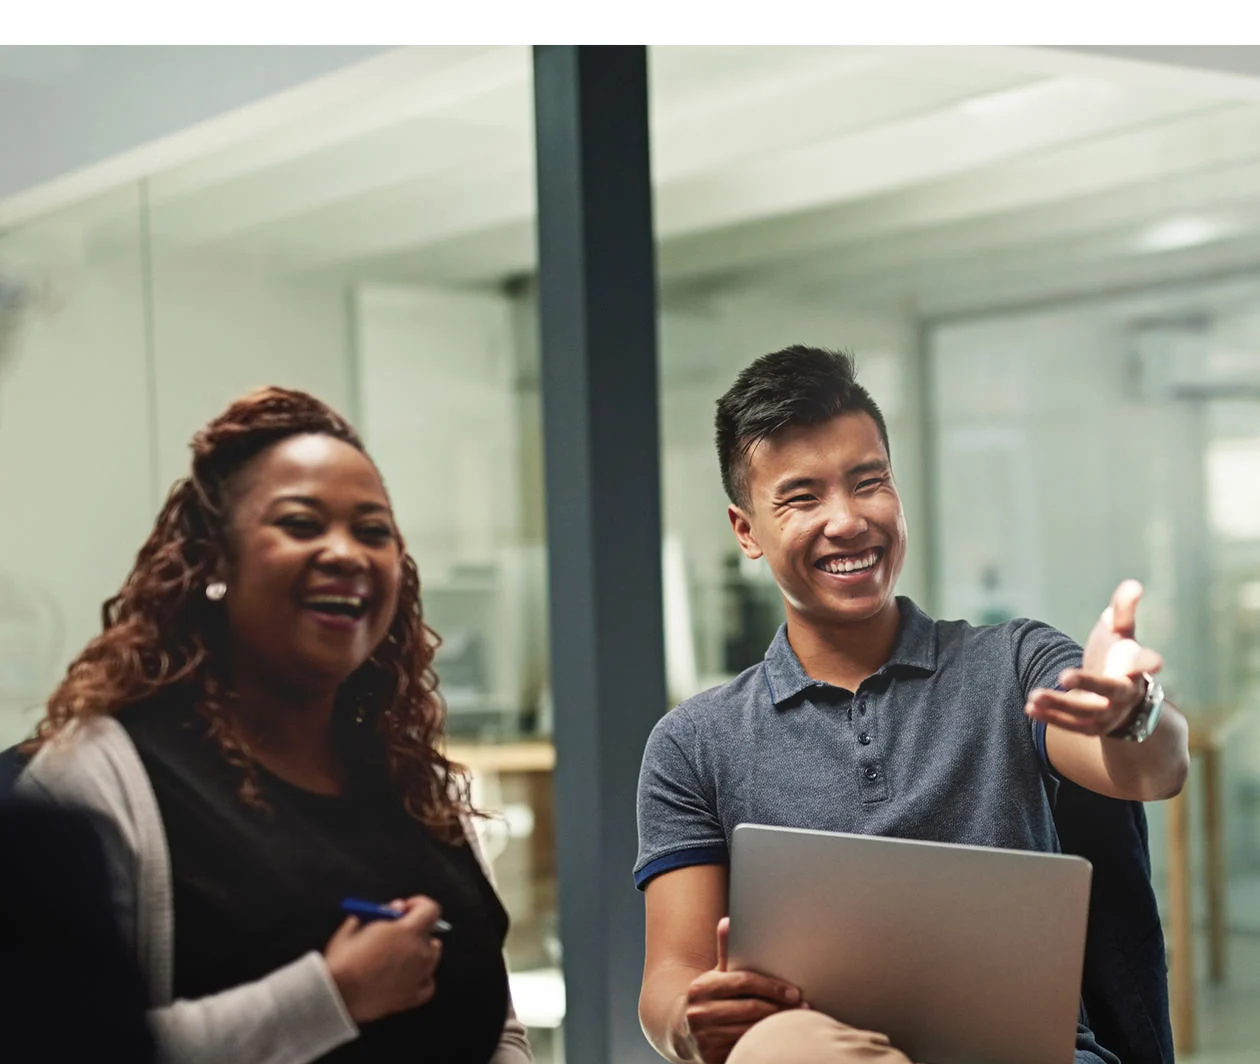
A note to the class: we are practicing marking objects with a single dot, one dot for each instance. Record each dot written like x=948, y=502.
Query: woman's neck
x=291, y=735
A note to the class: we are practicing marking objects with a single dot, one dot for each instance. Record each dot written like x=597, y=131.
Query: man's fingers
x=723, y=933
x=718, y=986
x=1079, y=702
x=1093, y=723
x=1124, y=608
x=1114, y=688
x=735, y=1012
x=1072, y=722
x=1077, y=711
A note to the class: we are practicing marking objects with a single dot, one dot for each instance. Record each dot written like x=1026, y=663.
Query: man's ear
x=742, y=528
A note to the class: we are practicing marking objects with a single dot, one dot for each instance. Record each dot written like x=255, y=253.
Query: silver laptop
x=960, y=954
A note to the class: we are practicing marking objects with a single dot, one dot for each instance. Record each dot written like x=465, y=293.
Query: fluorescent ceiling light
x=1183, y=232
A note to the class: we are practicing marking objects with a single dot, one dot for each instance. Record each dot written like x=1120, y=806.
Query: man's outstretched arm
x=1100, y=697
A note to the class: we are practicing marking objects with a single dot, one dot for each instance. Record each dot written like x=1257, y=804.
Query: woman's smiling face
x=316, y=564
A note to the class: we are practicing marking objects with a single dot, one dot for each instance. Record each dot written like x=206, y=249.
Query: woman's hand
x=386, y=966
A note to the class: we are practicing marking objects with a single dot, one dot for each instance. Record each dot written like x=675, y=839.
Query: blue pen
x=368, y=911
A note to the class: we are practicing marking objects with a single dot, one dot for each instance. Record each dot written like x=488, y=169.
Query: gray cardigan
x=292, y=1016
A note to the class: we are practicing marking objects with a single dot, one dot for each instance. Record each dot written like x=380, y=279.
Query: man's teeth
x=850, y=565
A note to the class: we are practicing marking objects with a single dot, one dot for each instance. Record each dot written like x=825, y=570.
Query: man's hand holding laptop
x=721, y=1005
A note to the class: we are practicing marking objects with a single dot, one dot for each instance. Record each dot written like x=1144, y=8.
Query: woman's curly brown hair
x=162, y=636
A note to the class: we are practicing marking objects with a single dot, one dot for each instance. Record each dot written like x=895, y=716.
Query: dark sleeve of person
x=12, y=762
x=1125, y=979
x=1088, y=1051
x=1124, y=984
x=70, y=987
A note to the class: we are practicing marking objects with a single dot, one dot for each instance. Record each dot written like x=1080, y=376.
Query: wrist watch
x=1143, y=718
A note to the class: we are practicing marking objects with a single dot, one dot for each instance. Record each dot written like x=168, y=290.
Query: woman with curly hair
x=257, y=729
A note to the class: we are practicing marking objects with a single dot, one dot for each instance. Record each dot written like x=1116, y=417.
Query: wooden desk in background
x=533, y=760
x=1209, y=730
x=529, y=755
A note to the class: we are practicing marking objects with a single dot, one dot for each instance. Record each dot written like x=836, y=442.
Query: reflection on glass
x=1129, y=448
x=361, y=252
x=76, y=467
x=957, y=218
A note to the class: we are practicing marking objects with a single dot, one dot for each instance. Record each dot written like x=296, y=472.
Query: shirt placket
x=872, y=776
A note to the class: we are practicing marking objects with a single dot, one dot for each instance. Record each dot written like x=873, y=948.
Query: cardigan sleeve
x=291, y=1016
x=513, y=1045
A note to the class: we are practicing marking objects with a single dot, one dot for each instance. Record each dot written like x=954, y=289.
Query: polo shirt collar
x=915, y=650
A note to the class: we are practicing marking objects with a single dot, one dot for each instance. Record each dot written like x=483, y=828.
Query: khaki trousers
x=803, y=1036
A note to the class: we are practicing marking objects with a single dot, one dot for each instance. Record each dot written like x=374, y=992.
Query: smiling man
x=865, y=716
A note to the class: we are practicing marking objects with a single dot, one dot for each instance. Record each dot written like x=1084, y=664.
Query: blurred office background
x=1047, y=266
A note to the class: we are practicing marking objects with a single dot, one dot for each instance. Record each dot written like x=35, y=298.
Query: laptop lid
x=960, y=954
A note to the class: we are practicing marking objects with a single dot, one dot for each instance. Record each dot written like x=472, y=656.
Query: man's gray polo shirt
x=935, y=745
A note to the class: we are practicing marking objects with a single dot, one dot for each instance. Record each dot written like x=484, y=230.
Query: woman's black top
x=256, y=889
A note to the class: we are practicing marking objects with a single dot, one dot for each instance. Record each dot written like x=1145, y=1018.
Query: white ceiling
x=931, y=180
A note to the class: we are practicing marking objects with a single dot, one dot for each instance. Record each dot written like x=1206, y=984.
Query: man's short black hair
x=796, y=386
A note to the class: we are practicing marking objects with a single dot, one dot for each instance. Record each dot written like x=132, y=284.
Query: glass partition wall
x=1048, y=277
x=364, y=254
x=1049, y=283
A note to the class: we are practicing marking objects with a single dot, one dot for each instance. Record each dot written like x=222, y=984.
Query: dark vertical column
x=597, y=303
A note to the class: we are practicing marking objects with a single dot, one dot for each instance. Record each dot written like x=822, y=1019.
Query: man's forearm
x=1153, y=769
x=661, y=1006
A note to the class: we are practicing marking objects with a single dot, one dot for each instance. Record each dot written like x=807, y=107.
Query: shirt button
x=871, y=773
x=865, y=740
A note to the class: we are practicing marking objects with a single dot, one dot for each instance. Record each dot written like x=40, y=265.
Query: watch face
x=1154, y=704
